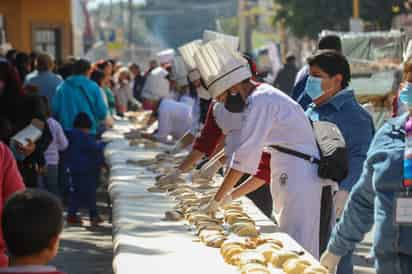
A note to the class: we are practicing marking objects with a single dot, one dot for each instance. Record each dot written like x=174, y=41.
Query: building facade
x=38, y=25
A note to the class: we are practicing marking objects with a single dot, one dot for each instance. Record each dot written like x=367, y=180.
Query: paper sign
x=403, y=210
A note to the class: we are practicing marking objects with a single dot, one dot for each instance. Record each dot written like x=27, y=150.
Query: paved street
x=86, y=250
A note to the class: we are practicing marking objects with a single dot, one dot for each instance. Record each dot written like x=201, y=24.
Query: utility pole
x=242, y=24
x=131, y=13
x=355, y=7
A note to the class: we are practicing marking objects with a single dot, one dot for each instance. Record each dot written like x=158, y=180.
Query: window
x=47, y=40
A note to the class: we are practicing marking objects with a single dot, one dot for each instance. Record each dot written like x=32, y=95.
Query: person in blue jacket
x=372, y=201
x=83, y=160
x=334, y=101
x=79, y=94
x=328, y=42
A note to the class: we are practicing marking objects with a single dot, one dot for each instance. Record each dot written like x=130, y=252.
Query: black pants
x=326, y=210
x=29, y=174
x=261, y=197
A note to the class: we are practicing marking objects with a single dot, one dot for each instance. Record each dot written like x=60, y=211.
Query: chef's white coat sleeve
x=257, y=125
x=165, y=126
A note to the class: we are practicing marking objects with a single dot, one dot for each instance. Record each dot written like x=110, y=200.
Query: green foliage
x=309, y=17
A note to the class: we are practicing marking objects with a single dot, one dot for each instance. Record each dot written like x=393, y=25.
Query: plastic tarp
x=372, y=46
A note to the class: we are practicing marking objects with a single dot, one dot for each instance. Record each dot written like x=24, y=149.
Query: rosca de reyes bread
x=295, y=266
x=316, y=269
x=251, y=256
x=254, y=268
x=279, y=258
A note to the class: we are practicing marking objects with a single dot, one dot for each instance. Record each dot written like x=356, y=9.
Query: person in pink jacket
x=10, y=182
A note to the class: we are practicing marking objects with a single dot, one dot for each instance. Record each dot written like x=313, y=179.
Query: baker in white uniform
x=201, y=104
x=270, y=118
x=174, y=118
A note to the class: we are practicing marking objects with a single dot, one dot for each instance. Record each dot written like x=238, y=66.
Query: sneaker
x=74, y=220
x=96, y=221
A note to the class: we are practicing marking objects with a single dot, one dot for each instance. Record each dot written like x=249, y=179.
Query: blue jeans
x=345, y=265
x=51, y=180
x=82, y=193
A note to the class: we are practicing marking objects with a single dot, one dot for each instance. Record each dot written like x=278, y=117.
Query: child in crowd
x=32, y=222
x=83, y=160
x=59, y=143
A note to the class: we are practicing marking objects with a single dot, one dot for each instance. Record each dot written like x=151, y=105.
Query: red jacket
x=10, y=182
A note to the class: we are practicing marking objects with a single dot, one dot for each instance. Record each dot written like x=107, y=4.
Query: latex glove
x=209, y=170
x=212, y=207
x=176, y=148
x=339, y=200
x=170, y=177
x=330, y=261
x=227, y=200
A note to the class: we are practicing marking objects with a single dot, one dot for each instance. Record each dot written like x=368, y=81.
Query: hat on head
x=231, y=41
x=188, y=52
x=179, y=71
x=166, y=56
x=156, y=86
x=194, y=75
x=220, y=67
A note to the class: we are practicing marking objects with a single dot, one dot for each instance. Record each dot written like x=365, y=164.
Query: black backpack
x=333, y=163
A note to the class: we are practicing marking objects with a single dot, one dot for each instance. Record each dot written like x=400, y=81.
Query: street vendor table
x=143, y=241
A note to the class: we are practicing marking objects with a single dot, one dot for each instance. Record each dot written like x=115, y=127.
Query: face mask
x=406, y=95
x=125, y=82
x=313, y=87
x=235, y=103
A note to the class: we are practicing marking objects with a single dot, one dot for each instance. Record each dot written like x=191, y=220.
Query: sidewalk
x=87, y=250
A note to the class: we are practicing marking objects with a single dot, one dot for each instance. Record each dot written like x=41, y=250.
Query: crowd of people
x=305, y=152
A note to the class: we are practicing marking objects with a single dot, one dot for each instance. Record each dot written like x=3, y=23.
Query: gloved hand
x=227, y=200
x=170, y=177
x=339, y=200
x=176, y=148
x=211, y=208
x=209, y=169
x=330, y=261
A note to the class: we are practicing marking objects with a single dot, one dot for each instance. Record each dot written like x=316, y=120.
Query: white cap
x=156, y=86
x=179, y=71
x=194, y=75
x=166, y=56
x=188, y=52
x=220, y=67
x=231, y=41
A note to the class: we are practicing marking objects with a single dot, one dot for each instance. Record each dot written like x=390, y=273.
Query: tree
x=309, y=17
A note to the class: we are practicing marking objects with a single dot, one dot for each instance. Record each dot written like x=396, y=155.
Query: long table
x=143, y=241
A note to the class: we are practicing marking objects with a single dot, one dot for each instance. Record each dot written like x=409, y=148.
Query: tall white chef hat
x=156, y=86
x=166, y=56
x=231, y=41
x=179, y=71
x=188, y=52
x=221, y=68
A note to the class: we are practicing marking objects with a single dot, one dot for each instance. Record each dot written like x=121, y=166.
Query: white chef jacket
x=190, y=101
x=174, y=118
x=271, y=118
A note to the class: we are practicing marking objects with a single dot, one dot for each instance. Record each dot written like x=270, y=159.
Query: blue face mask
x=313, y=87
x=406, y=95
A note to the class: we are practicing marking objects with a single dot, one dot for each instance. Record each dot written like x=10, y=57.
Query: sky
x=95, y=3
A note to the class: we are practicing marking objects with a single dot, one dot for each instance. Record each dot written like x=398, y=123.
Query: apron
x=296, y=192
